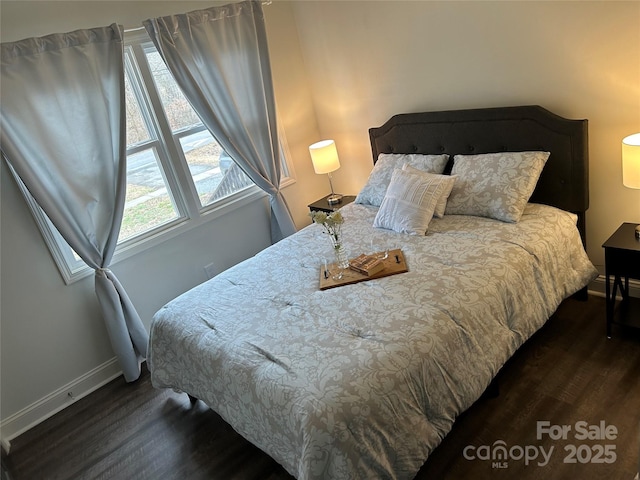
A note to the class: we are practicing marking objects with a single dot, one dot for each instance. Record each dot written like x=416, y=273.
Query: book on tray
x=366, y=264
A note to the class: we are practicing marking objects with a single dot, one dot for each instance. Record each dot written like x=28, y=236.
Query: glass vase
x=340, y=253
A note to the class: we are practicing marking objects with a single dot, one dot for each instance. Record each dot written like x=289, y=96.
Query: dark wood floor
x=568, y=372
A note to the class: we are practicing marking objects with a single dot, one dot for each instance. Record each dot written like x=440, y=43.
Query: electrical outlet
x=210, y=270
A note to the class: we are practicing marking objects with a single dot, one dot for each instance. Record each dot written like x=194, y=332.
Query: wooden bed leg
x=193, y=400
x=493, y=390
x=582, y=295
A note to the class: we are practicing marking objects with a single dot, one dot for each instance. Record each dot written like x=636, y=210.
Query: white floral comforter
x=364, y=381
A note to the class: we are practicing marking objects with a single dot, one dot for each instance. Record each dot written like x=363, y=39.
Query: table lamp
x=324, y=156
x=631, y=165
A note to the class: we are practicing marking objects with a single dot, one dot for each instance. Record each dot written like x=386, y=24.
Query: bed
x=365, y=380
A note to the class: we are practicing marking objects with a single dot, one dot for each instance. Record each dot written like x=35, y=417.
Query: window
x=178, y=176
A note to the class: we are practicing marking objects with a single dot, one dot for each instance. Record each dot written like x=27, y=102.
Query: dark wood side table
x=622, y=261
x=323, y=206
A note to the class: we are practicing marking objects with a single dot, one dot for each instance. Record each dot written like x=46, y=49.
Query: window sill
x=160, y=235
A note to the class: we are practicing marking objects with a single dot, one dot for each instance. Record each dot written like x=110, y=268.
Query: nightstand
x=323, y=206
x=622, y=261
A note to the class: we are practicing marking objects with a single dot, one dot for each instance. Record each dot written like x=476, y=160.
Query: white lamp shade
x=631, y=161
x=324, y=156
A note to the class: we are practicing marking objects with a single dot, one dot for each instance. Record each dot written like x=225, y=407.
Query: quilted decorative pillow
x=410, y=201
x=449, y=180
x=375, y=188
x=495, y=185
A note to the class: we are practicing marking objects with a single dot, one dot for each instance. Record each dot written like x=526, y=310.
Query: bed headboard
x=564, y=182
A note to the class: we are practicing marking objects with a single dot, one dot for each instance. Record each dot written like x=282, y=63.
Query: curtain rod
x=136, y=29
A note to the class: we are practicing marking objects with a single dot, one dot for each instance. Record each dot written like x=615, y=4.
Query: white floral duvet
x=364, y=380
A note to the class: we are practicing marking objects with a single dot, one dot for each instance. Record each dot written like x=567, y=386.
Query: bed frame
x=564, y=182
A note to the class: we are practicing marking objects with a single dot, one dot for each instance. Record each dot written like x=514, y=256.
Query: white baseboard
x=52, y=403
x=598, y=287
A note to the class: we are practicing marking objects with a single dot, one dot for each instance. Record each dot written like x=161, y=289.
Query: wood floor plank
x=568, y=372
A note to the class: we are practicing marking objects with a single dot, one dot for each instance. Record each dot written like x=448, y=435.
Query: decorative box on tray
x=366, y=264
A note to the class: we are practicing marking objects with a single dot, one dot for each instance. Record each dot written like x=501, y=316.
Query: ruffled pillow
x=410, y=201
x=374, y=190
x=448, y=180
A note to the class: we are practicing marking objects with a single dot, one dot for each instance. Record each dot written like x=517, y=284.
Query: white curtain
x=220, y=60
x=63, y=133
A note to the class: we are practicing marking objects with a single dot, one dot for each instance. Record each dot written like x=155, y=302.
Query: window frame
x=182, y=189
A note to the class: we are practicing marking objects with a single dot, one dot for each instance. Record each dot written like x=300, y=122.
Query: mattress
x=364, y=380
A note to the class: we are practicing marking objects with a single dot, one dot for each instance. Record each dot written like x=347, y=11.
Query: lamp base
x=334, y=199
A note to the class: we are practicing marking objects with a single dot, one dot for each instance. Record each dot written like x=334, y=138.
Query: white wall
x=339, y=68
x=369, y=60
x=51, y=334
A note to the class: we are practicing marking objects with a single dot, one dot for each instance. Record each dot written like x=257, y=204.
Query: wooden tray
x=395, y=263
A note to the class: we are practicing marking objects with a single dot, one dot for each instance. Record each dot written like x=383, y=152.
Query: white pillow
x=449, y=180
x=409, y=202
x=495, y=185
x=373, y=191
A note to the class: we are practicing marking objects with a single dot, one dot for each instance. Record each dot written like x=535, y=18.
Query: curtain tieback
x=102, y=271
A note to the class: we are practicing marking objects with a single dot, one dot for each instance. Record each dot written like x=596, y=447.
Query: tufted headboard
x=564, y=182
